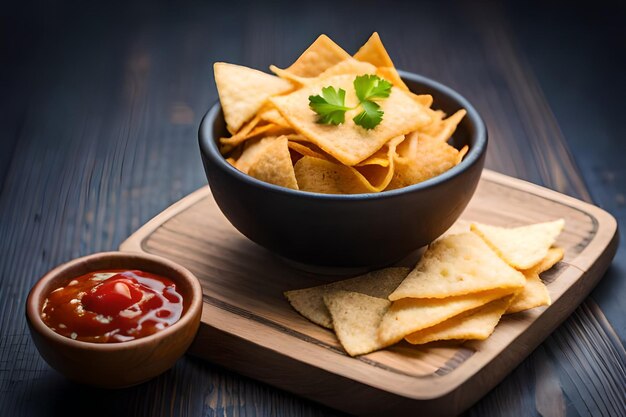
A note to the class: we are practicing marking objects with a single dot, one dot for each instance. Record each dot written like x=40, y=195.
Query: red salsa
x=113, y=306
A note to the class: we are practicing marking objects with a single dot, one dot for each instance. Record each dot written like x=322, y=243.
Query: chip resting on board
x=456, y=265
x=409, y=315
x=310, y=302
x=521, y=247
x=479, y=324
x=535, y=292
x=356, y=318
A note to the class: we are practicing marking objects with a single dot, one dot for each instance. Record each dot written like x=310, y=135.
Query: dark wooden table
x=99, y=110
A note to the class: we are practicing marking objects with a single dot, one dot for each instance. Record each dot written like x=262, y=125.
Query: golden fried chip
x=408, y=149
x=356, y=318
x=349, y=66
x=322, y=176
x=521, y=247
x=348, y=142
x=306, y=149
x=252, y=150
x=321, y=55
x=273, y=164
x=243, y=91
x=310, y=302
x=379, y=174
x=374, y=52
x=462, y=154
x=425, y=100
x=432, y=158
x=291, y=77
x=391, y=74
x=268, y=129
x=448, y=126
x=325, y=176
x=554, y=256
x=273, y=116
x=409, y=315
x=476, y=324
x=242, y=134
x=535, y=292
x=456, y=265
x=379, y=158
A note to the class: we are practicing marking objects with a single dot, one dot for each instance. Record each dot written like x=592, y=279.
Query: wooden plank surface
x=100, y=107
x=248, y=325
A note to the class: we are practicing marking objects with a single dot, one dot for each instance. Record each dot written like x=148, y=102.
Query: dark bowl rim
x=187, y=318
x=208, y=147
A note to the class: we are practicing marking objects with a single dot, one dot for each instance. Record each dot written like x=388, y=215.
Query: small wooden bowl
x=115, y=365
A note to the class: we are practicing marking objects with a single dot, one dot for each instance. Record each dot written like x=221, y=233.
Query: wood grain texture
x=100, y=107
x=243, y=287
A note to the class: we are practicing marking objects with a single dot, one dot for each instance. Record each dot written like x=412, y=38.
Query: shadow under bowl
x=348, y=231
x=115, y=365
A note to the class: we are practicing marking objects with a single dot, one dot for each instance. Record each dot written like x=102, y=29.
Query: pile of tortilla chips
x=459, y=290
x=276, y=137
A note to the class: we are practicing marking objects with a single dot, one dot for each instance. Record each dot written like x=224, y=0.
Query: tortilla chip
x=273, y=116
x=535, y=292
x=310, y=303
x=476, y=324
x=436, y=120
x=349, y=66
x=349, y=143
x=242, y=134
x=356, y=318
x=425, y=100
x=521, y=247
x=391, y=74
x=243, y=91
x=554, y=256
x=317, y=175
x=456, y=265
x=409, y=315
x=374, y=52
x=321, y=55
x=273, y=164
x=408, y=149
x=306, y=149
x=448, y=126
x=379, y=158
x=252, y=150
x=462, y=154
x=325, y=176
x=432, y=158
x=379, y=175
x=291, y=77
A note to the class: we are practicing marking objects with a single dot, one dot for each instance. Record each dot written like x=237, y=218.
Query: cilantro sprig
x=331, y=105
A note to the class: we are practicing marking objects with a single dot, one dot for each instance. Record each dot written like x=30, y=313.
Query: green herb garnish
x=331, y=105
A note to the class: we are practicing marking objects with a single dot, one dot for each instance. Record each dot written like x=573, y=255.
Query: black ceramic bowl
x=348, y=231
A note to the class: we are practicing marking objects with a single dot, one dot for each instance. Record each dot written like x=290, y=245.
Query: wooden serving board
x=248, y=326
